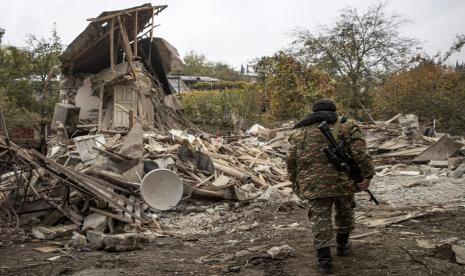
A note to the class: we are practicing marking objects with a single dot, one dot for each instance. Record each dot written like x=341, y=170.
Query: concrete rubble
x=281, y=252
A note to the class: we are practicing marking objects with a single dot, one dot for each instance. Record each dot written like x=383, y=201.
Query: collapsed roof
x=115, y=35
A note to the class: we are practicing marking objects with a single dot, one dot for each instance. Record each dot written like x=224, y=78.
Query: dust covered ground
x=230, y=238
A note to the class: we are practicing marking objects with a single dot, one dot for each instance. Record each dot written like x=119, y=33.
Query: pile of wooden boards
x=108, y=179
x=400, y=139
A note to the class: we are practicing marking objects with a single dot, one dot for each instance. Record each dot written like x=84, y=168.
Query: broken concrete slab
x=454, y=162
x=95, y=221
x=459, y=172
x=441, y=150
x=281, y=252
x=459, y=251
x=274, y=195
x=49, y=233
x=122, y=242
x=78, y=240
x=95, y=239
x=133, y=145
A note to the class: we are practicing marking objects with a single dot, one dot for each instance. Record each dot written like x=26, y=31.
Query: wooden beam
x=126, y=46
x=3, y=127
x=111, y=215
x=112, y=45
x=366, y=112
x=135, y=35
x=83, y=52
x=151, y=37
x=117, y=14
x=100, y=107
x=131, y=119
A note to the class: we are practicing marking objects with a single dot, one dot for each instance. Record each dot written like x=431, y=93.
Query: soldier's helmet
x=324, y=105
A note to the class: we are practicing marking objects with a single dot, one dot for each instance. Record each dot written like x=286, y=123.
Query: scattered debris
x=459, y=172
x=49, y=233
x=459, y=251
x=281, y=252
x=426, y=244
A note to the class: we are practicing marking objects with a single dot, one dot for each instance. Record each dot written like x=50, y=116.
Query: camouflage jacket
x=310, y=171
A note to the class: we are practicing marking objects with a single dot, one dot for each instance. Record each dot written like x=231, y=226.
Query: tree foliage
x=357, y=49
x=196, y=64
x=432, y=91
x=23, y=75
x=223, y=85
x=2, y=32
x=289, y=86
x=222, y=110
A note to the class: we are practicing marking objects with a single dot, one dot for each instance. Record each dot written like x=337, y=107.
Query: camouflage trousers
x=320, y=215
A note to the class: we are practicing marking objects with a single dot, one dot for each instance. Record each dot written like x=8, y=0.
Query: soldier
x=315, y=179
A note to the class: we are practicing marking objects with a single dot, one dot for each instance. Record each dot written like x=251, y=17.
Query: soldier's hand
x=364, y=184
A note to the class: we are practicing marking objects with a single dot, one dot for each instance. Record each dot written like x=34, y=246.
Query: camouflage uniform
x=314, y=178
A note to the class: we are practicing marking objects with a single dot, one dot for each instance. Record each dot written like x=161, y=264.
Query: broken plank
x=126, y=46
x=359, y=236
x=221, y=181
x=137, y=211
x=393, y=119
x=111, y=215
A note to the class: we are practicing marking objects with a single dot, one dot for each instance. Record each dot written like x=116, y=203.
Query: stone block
x=122, y=242
x=95, y=221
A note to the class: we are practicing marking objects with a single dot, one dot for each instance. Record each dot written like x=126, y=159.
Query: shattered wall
x=86, y=101
x=121, y=93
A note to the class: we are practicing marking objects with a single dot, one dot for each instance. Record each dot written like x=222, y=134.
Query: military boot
x=343, y=244
x=324, y=260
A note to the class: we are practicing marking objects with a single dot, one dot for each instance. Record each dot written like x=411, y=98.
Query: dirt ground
x=229, y=238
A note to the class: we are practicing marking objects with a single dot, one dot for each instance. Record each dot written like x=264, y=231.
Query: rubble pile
x=400, y=140
x=97, y=186
x=115, y=157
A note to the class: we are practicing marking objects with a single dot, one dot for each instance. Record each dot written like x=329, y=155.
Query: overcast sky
x=232, y=31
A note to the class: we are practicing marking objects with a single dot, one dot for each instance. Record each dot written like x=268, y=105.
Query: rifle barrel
x=372, y=197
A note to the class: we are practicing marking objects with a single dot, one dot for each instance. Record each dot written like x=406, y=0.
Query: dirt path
x=233, y=239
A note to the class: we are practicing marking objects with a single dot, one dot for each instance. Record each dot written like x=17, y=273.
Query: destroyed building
x=116, y=70
x=118, y=126
x=124, y=168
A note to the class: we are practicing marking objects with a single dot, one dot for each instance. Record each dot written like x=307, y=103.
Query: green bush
x=223, y=85
x=430, y=91
x=224, y=110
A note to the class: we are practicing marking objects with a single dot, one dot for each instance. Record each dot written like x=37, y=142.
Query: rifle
x=340, y=157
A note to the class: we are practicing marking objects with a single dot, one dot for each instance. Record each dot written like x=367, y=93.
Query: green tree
x=44, y=54
x=2, y=32
x=23, y=78
x=357, y=49
x=430, y=90
x=289, y=86
x=196, y=64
